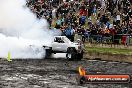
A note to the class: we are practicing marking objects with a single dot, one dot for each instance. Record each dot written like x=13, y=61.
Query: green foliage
x=109, y=50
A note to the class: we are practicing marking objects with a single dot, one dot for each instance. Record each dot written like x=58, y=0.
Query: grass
x=108, y=50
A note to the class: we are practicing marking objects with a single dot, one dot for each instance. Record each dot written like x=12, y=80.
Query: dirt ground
x=56, y=73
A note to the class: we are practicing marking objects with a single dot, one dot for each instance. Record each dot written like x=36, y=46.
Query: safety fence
x=118, y=39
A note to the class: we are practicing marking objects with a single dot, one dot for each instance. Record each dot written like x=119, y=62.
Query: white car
x=61, y=44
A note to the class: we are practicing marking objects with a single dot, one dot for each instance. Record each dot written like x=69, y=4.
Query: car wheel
x=80, y=56
x=48, y=53
x=71, y=54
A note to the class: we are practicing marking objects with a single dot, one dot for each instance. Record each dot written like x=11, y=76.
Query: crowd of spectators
x=85, y=18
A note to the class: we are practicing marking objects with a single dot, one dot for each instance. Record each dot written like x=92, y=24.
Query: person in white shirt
x=118, y=18
x=54, y=13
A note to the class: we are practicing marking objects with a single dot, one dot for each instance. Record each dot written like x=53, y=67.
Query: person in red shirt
x=113, y=32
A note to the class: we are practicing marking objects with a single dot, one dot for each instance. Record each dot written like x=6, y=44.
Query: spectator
x=94, y=11
x=76, y=12
x=83, y=31
x=72, y=34
x=86, y=35
x=118, y=19
x=82, y=20
x=58, y=23
x=68, y=32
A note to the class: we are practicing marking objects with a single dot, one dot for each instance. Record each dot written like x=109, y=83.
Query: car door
x=59, y=45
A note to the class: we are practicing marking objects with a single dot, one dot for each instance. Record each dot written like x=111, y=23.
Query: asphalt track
x=56, y=73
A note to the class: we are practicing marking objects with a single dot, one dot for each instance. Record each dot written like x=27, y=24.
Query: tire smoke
x=21, y=33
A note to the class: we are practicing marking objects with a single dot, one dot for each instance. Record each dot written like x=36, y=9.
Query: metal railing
x=118, y=39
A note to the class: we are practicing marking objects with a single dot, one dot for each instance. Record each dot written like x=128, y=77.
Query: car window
x=59, y=40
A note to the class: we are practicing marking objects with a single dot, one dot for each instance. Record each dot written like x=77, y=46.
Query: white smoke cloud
x=19, y=28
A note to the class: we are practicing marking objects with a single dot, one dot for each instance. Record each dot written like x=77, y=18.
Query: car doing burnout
x=61, y=44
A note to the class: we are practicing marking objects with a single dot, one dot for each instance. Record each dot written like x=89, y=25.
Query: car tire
x=71, y=54
x=80, y=56
x=48, y=53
